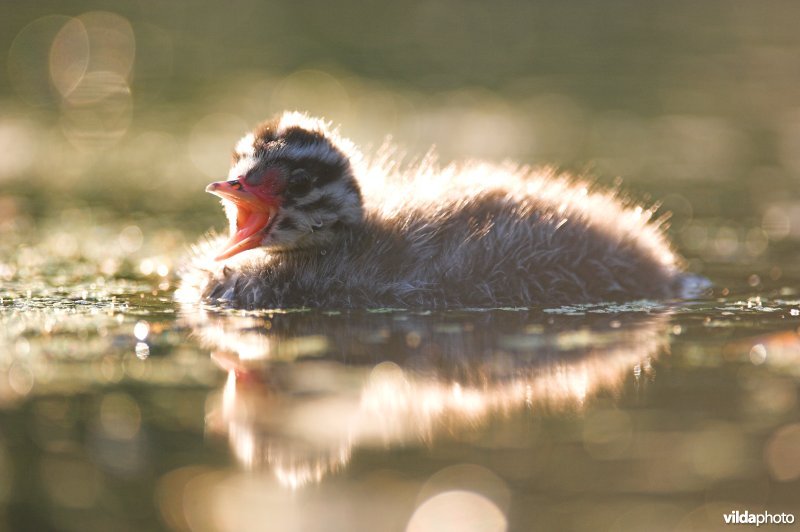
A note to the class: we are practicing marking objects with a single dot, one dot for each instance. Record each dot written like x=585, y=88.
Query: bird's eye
x=300, y=182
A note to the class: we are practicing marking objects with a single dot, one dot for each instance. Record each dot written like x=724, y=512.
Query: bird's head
x=291, y=186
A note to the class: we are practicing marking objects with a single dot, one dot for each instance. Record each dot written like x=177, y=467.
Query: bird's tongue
x=247, y=233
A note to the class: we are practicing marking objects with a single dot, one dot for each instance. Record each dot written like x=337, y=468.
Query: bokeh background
x=133, y=106
x=118, y=410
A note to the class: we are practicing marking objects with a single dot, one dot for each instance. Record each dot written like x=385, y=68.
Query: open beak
x=253, y=215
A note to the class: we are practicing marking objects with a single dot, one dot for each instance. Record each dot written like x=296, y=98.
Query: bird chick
x=314, y=224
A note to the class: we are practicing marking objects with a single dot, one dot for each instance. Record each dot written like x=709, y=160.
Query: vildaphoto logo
x=764, y=518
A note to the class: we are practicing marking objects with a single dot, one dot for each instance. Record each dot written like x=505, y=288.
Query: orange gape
x=255, y=206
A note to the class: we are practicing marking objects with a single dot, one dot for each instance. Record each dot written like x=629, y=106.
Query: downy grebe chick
x=313, y=224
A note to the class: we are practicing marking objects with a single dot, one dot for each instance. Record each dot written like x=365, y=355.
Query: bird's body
x=374, y=235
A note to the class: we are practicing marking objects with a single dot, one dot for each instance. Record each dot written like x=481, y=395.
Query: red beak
x=253, y=215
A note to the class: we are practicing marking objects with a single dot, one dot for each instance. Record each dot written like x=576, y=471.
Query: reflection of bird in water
x=303, y=393
x=312, y=224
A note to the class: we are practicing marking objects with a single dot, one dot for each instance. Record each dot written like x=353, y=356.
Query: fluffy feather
x=466, y=235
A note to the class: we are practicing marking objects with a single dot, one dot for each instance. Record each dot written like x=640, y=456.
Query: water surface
x=122, y=409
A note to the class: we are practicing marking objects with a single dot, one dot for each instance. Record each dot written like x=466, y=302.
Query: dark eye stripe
x=300, y=174
x=322, y=204
x=323, y=172
x=287, y=224
x=328, y=173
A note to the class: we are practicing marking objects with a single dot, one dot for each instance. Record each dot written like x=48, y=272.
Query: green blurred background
x=134, y=105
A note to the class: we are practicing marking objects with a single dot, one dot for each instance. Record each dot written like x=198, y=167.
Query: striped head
x=291, y=186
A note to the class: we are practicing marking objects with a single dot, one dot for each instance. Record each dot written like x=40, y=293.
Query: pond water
x=120, y=409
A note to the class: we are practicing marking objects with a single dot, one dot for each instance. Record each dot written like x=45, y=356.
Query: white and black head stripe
x=320, y=195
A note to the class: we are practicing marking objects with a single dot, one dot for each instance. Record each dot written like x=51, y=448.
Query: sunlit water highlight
x=230, y=417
